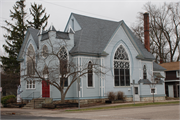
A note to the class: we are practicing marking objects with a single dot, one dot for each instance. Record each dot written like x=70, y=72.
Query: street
x=164, y=112
x=17, y=117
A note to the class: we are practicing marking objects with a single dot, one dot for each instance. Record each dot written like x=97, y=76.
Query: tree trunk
x=62, y=97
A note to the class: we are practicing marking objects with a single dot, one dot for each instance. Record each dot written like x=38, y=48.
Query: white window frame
x=67, y=52
x=122, y=61
x=155, y=90
x=178, y=73
x=31, y=84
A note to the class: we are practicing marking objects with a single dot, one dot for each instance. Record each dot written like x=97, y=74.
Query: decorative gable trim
x=70, y=17
x=24, y=44
x=131, y=38
x=125, y=28
x=71, y=30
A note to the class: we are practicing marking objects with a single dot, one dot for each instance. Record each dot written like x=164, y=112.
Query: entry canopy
x=144, y=81
x=158, y=75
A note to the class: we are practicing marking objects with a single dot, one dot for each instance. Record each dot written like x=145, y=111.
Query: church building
x=90, y=40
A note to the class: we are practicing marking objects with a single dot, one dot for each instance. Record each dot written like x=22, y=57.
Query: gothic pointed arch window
x=30, y=67
x=63, y=64
x=90, y=74
x=144, y=72
x=30, y=60
x=121, y=67
x=45, y=51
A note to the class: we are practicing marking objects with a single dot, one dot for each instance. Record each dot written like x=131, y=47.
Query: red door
x=45, y=89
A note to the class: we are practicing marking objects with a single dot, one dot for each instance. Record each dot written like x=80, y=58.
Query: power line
x=76, y=9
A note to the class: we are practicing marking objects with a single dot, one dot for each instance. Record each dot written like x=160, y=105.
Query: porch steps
x=37, y=103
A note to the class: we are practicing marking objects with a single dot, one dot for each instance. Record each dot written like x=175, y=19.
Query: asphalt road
x=165, y=112
x=20, y=117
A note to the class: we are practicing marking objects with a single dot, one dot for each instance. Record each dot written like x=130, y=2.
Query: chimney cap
x=146, y=13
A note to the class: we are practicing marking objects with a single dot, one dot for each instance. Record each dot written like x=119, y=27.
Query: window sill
x=30, y=88
x=90, y=87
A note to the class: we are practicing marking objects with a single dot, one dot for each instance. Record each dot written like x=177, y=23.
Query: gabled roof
x=96, y=34
x=171, y=66
x=33, y=33
x=157, y=67
x=146, y=54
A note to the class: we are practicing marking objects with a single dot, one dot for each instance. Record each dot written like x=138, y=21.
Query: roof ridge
x=94, y=18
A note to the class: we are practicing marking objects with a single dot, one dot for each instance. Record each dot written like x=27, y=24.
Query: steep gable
x=96, y=34
x=33, y=33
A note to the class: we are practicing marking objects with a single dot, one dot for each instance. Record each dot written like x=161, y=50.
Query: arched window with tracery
x=63, y=64
x=121, y=67
x=90, y=74
x=144, y=72
x=30, y=61
x=30, y=67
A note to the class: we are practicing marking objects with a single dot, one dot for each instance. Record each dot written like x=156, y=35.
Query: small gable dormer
x=72, y=23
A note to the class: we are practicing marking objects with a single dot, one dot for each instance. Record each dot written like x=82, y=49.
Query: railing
x=32, y=96
x=35, y=95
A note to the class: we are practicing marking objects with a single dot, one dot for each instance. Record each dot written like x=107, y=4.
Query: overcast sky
x=60, y=11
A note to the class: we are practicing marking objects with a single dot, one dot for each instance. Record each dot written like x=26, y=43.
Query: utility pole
x=78, y=81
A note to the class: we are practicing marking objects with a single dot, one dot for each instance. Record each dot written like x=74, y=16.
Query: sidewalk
x=52, y=112
x=117, y=104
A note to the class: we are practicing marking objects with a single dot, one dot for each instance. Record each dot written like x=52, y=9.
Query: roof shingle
x=171, y=66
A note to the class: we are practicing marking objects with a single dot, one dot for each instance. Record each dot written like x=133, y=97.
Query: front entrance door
x=136, y=93
x=170, y=90
x=45, y=89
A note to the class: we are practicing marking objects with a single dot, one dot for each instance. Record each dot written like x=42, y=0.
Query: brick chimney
x=146, y=31
x=161, y=60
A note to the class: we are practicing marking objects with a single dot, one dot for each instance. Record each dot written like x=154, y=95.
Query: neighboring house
x=110, y=44
x=172, y=80
x=9, y=84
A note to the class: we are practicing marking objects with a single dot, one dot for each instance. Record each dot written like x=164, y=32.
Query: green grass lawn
x=123, y=106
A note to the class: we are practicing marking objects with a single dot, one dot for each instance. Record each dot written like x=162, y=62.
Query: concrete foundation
x=147, y=99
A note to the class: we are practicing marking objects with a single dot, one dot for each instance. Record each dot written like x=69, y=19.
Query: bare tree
x=57, y=67
x=164, y=30
x=154, y=81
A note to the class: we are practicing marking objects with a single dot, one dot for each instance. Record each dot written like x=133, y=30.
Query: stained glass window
x=121, y=68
